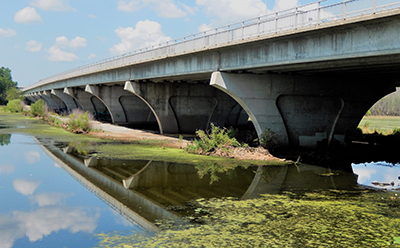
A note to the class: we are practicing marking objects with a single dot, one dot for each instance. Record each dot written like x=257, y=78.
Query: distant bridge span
x=308, y=74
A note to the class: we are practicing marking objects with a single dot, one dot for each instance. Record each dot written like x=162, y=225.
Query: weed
x=216, y=138
x=269, y=139
x=79, y=121
x=38, y=108
x=14, y=106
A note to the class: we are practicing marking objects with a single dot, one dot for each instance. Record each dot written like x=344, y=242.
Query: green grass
x=382, y=124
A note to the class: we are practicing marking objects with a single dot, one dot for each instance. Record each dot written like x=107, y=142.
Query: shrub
x=396, y=132
x=14, y=106
x=216, y=138
x=79, y=121
x=269, y=140
x=38, y=108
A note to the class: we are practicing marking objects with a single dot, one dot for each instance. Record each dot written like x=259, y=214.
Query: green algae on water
x=327, y=219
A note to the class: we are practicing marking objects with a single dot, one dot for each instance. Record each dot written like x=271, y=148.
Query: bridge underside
x=301, y=110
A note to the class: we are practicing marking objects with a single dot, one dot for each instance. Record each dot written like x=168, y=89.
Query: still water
x=51, y=195
x=43, y=206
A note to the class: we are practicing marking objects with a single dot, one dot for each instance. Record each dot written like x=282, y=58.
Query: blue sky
x=40, y=38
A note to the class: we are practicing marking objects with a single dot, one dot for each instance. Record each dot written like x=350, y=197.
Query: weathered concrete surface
x=306, y=85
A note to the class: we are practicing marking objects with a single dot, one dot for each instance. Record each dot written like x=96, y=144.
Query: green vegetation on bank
x=324, y=219
x=6, y=83
x=215, y=138
x=380, y=124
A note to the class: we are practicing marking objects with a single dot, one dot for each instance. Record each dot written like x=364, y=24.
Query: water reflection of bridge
x=146, y=191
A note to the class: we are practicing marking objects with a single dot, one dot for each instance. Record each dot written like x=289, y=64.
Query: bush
x=38, y=108
x=269, y=140
x=217, y=138
x=79, y=122
x=14, y=106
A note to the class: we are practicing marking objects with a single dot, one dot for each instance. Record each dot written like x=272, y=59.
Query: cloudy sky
x=40, y=38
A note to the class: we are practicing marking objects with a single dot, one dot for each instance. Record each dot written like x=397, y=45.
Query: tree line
x=8, y=87
x=387, y=106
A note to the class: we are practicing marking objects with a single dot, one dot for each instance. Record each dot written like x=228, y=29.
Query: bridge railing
x=290, y=19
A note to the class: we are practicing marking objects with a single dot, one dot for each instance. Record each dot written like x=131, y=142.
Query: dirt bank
x=113, y=132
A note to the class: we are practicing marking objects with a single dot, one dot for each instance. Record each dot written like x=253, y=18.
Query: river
x=56, y=191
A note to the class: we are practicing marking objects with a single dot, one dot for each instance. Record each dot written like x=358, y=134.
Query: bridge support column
x=257, y=96
x=183, y=107
x=83, y=99
x=51, y=104
x=110, y=95
x=67, y=99
x=303, y=110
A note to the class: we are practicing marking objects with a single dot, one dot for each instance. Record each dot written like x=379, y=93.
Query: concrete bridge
x=307, y=74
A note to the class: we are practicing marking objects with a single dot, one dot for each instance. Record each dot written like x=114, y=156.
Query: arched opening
x=383, y=116
x=240, y=120
x=138, y=114
x=101, y=112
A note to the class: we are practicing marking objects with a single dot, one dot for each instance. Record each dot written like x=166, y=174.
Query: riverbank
x=113, y=132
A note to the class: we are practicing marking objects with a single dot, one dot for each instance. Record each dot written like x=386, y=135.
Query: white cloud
x=168, y=9
x=58, y=53
x=8, y=33
x=130, y=6
x=228, y=11
x=144, y=34
x=204, y=27
x=63, y=42
x=28, y=15
x=92, y=16
x=53, y=5
x=92, y=56
x=42, y=222
x=26, y=186
x=163, y=8
x=48, y=199
x=33, y=46
x=9, y=231
x=32, y=157
x=285, y=4
x=6, y=169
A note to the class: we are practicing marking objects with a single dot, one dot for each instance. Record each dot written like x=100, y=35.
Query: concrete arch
x=137, y=112
x=51, y=104
x=70, y=102
x=134, y=89
x=83, y=98
x=184, y=107
x=252, y=93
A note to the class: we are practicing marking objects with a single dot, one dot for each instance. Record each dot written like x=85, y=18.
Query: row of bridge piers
x=301, y=110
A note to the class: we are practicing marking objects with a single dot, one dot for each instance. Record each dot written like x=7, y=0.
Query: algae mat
x=324, y=219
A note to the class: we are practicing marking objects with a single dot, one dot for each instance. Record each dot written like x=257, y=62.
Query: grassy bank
x=381, y=124
x=18, y=123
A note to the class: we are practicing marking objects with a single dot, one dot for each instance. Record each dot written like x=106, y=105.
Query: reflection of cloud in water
x=391, y=174
x=32, y=157
x=6, y=169
x=9, y=231
x=57, y=165
x=42, y=222
x=364, y=174
x=26, y=186
x=121, y=220
x=47, y=199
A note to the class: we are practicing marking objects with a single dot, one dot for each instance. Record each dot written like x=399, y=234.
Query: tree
x=14, y=93
x=6, y=83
